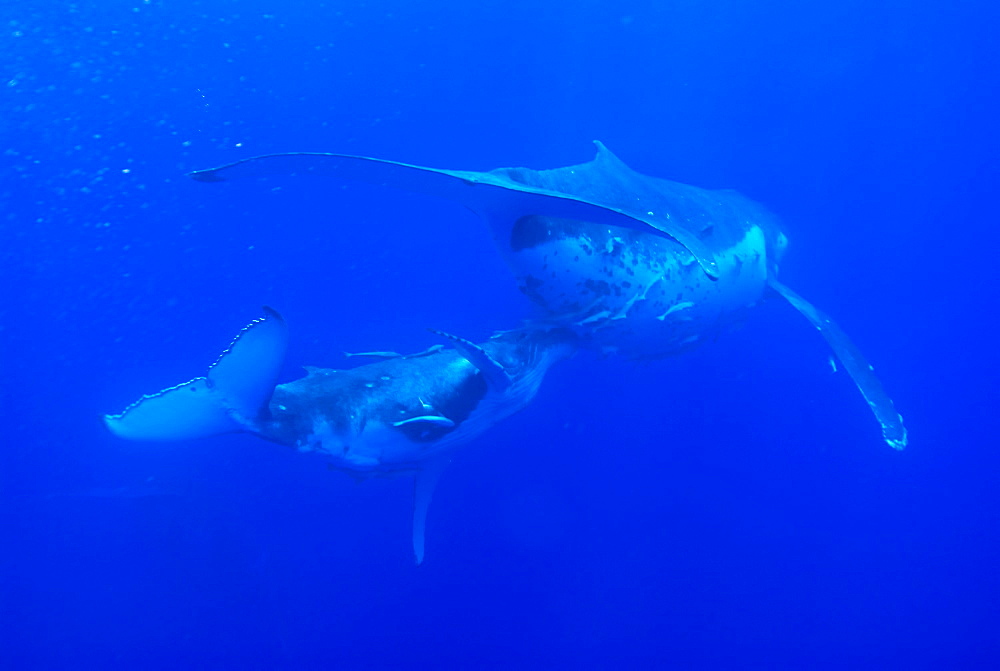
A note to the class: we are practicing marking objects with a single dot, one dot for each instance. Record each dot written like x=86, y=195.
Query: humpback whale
x=401, y=415
x=635, y=265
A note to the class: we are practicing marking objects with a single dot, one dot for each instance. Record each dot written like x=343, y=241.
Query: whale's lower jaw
x=639, y=295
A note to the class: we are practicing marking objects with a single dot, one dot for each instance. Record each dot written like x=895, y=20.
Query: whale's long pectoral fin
x=854, y=363
x=229, y=398
x=424, y=482
x=603, y=191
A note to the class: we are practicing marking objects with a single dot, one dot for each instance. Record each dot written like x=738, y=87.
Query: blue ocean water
x=734, y=507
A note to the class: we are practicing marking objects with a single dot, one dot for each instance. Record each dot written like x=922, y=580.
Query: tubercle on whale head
x=780, y=245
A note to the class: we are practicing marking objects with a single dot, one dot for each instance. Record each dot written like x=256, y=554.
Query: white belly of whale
x=638, y=294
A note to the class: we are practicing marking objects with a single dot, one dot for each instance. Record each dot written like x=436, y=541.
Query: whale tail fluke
x=230, y=397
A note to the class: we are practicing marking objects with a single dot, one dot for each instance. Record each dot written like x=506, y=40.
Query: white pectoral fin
x=893, y=430
x=230, y=398
x=501, y=195
x=423, y=491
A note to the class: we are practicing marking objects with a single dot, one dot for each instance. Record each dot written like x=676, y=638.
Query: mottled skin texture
x=636, y=291
x=349, y=415
x=637, y=294
x=395, y=389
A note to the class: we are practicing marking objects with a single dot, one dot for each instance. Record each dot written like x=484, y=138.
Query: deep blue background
x=731, y=508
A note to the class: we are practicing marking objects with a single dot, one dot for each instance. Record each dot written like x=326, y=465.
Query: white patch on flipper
x=855, y=364
x=592, y=319
x=676, y=308
x=431, y=420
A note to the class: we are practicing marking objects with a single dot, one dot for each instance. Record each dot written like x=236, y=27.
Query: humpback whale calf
x=403, y=415
x=635, y=265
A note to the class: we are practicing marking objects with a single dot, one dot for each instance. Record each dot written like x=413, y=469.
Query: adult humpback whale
x=633, y=264
x=401, y=415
